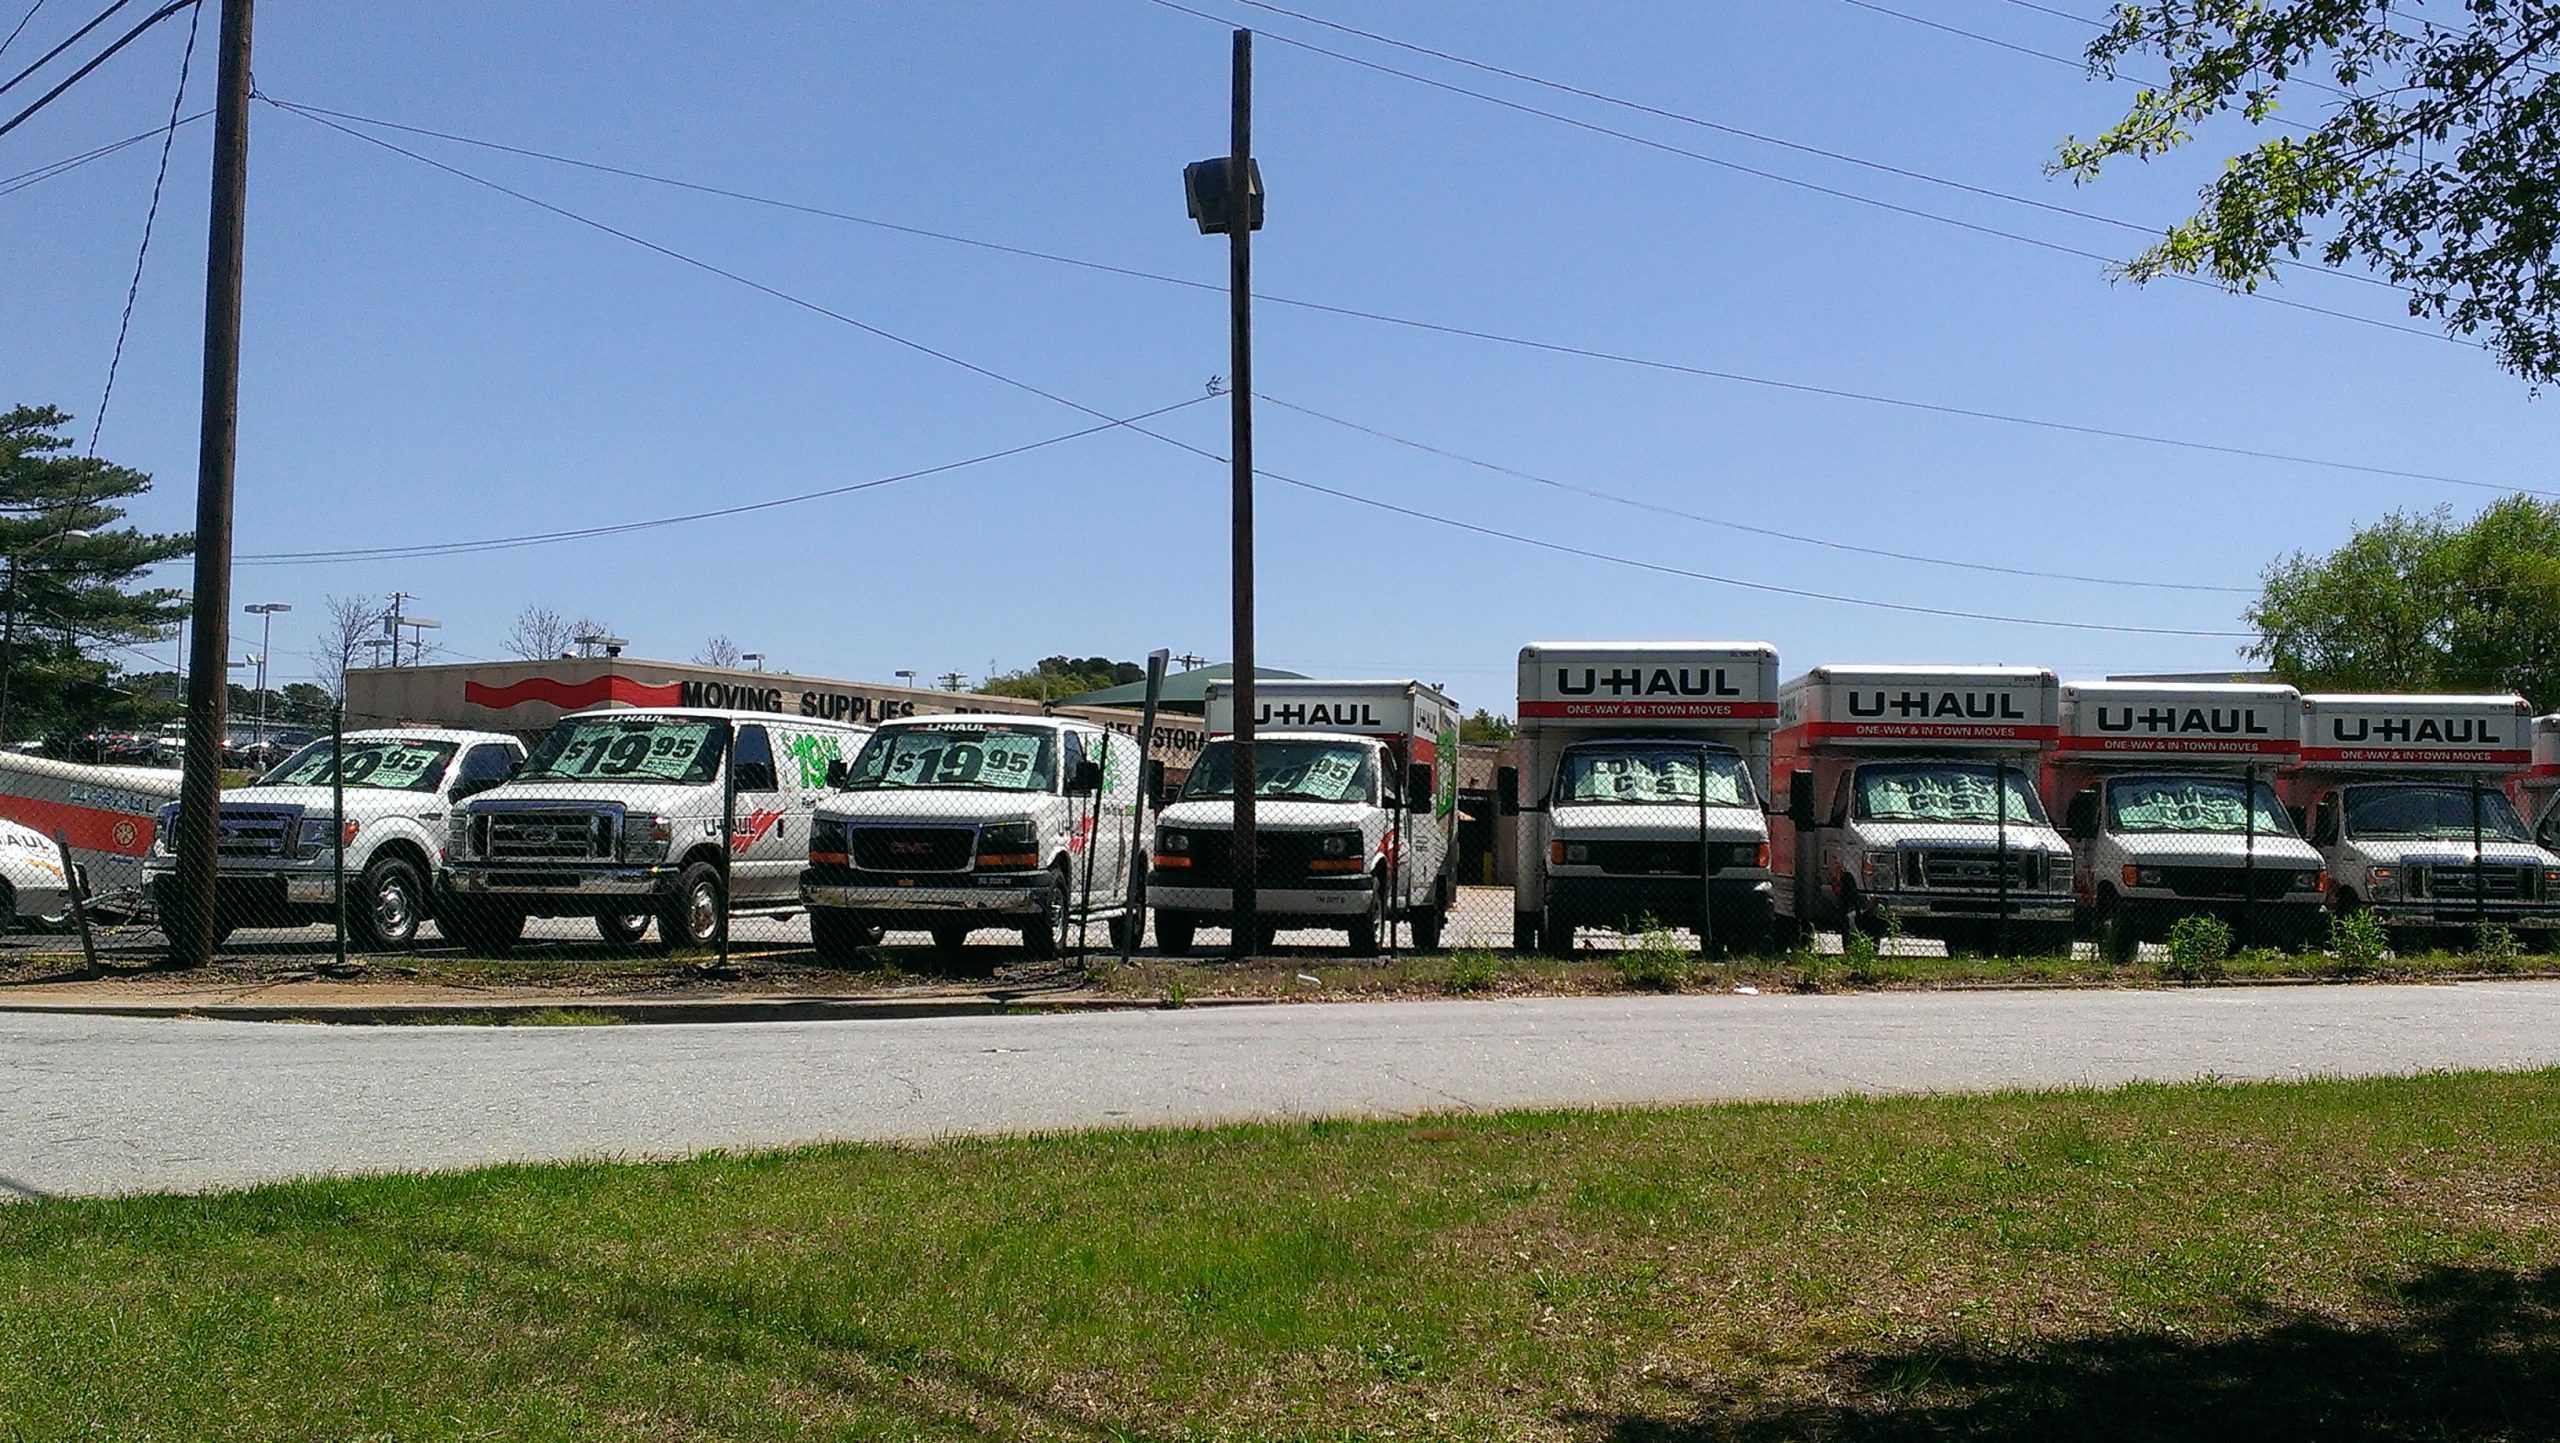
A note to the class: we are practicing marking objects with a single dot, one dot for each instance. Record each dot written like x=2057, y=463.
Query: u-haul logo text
x=1936, y=705
x=1645, y=681
x=2408, y=731
x=2210, y=721
x=1316, y=714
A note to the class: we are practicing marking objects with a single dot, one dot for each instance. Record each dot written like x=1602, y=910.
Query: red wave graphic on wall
x=570, y=696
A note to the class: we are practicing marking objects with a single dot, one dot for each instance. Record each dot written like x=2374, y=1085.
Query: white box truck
x=1646, y=786
x=616, y=815
x=1355, y=808
x=2405, y=796
x=2166, y=791
x=950, y=824
x=2540, y=789
x=1911, y=804
x=277, y=861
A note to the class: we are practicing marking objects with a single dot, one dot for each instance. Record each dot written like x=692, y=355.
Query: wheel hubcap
x=704, y=913
x=391, y=909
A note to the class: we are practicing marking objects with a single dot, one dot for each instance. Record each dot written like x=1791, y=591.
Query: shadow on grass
x=2456, y=1354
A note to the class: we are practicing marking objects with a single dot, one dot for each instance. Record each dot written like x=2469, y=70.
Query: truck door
x=1121, y=784
x=763, y=858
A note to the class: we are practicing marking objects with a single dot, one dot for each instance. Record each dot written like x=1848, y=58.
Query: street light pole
x=265, y=611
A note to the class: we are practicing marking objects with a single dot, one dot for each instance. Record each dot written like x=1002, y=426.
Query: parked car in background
x=33, y=886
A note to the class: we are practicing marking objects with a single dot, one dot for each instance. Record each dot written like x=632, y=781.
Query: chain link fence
x=970, y=844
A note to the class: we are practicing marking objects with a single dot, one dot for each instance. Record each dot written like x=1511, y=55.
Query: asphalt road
x=99, y=1105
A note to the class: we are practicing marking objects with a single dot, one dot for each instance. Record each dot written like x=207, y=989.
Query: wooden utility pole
x=1246, y=858
x=189, y=906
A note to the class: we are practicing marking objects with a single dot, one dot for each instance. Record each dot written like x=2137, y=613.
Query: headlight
x=1574, y=853
x=1338, y=845
x=1878, y=871
x=1175, y=843
x=2551, y=883
x=645, y=836
x=1742, y=854
x=2317, y=881
x=2057, y=872
x=2382, y=881
x=827, y=841
x=315, y=835
x=457, y=825
x=1008, y=844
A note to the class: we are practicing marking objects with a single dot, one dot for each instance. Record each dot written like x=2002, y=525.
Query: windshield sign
x=1942, y=792
x=974, y=757
x=1635, y=775
x=658, y=749
x=2192, y=804
x=1308, y=771
x=389, y=764
x=2429, y=814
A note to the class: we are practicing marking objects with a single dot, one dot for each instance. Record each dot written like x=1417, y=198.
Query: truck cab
x=2166, y=791
x=1912, y=804
x=2406, y=799
x=953, y=824
x=1355, y=806
x=278, y=857
x=616, y=815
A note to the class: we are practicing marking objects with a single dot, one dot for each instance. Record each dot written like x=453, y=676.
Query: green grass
x=2373, y=1259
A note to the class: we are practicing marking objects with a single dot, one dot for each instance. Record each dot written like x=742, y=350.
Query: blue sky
x=427, y=360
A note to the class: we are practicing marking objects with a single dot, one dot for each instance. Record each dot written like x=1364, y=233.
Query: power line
x=101, y=58
x=11, y=185
x=540, y=538
x=133, y=292
x=20, y=28
x=1762, y=137
x=1731, y=525
x=1286, y=480
x=1382, y=317
x=101, y=18
x=1836, y=192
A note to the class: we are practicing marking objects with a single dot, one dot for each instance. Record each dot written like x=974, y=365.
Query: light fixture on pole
x=265, y=611
x=592, y=641
x=755, y=656
x=1224, y=195
x=908, y=676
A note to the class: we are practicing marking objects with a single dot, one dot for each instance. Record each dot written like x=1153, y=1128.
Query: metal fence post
x=1092, y=844
x=2249, y=856
x=73, y=890
x=338, y=823
x=1706, y=868
x=728, y=841
x=2479, y=871
x=1138, y=861
x=2000, y=861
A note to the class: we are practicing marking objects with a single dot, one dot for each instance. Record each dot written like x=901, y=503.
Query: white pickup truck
x=1355, y=806
x=277, y=854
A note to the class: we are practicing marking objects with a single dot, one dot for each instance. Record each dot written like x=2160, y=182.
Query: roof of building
x=1183, y=691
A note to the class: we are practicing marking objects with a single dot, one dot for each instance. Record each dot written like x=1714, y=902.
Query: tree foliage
x=539, y=634
x=2422, y=602
x=348, y=630
x=718, y=651
x=72, y=610
x=2425, y=151
x=1055, y=678
x=1487, y=726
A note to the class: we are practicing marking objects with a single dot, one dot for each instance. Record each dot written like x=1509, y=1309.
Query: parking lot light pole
x=265, y=611
x=1225, y=198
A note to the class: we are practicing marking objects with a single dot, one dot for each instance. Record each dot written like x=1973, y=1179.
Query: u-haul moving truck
x=2167, y=792
x=2540, y=788
x=1355, y=806
x=2391, y=788
x=1646, y=759
x=1911, y=800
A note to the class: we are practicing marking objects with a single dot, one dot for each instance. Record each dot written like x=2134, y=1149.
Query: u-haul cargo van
x=2167, y=792
x=1912, y=800
x=1355, y=806
x=1646, y=761
x=2405, y=796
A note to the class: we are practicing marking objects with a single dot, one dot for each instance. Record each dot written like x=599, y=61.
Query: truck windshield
x=2430, y=814
x=1307, y=771
x=2192, y=804
x=389, y=763
x=1942, y=792
x=968, y=756
x=1653, y=773
x=681, y=749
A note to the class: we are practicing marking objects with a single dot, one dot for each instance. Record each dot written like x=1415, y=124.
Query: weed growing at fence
x=2357, y=944
x=1470, y=972
x=2198, y=946
x=2495, y=949
x=1656, y=963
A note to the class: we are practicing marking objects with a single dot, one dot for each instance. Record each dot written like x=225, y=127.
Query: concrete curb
x=644, y=1011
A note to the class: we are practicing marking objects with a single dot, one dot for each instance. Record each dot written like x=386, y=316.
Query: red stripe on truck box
x=1695, y=710
x=570, y=696
x=1933, y=731
x=91, y=829
x=2199, y=746
x=2415, y=756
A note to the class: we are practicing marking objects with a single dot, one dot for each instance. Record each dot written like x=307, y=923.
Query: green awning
x=1183, y=691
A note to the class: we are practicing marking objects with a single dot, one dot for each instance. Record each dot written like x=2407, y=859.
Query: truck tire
x=2117, y=942
x=1041, y=935
x=840, y=936
x=1174, y=932
x=1555, y=933
x=1364, y=929
x=1124, y=932
x=1524, y=931
x=390, y=901
x=950, y=939
x=1427, y=926
x=691, y=918
x=623, y=931
x=477, y=926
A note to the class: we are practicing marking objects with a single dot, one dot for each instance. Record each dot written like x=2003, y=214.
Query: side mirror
x=1800, y=797
x=1085, y=780
x=1417, y=786
x=2301, y=820
x=2082, y=820
x=1506, y=780
x=836, y=774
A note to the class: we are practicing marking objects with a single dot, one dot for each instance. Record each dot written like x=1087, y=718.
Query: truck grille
x=1967, y=870
x=258, y=833
x=2228, y=881
x=545, y=836
x=914, y=849
x=2494, y=884
x=1284, y=857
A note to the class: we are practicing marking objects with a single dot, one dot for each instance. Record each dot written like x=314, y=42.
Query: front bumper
x=568, y=889
x=1926, y=907
x=1328, y=899
x=2456, y=912
x=978, y=894
x=293, y=883
x=1737, y=899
